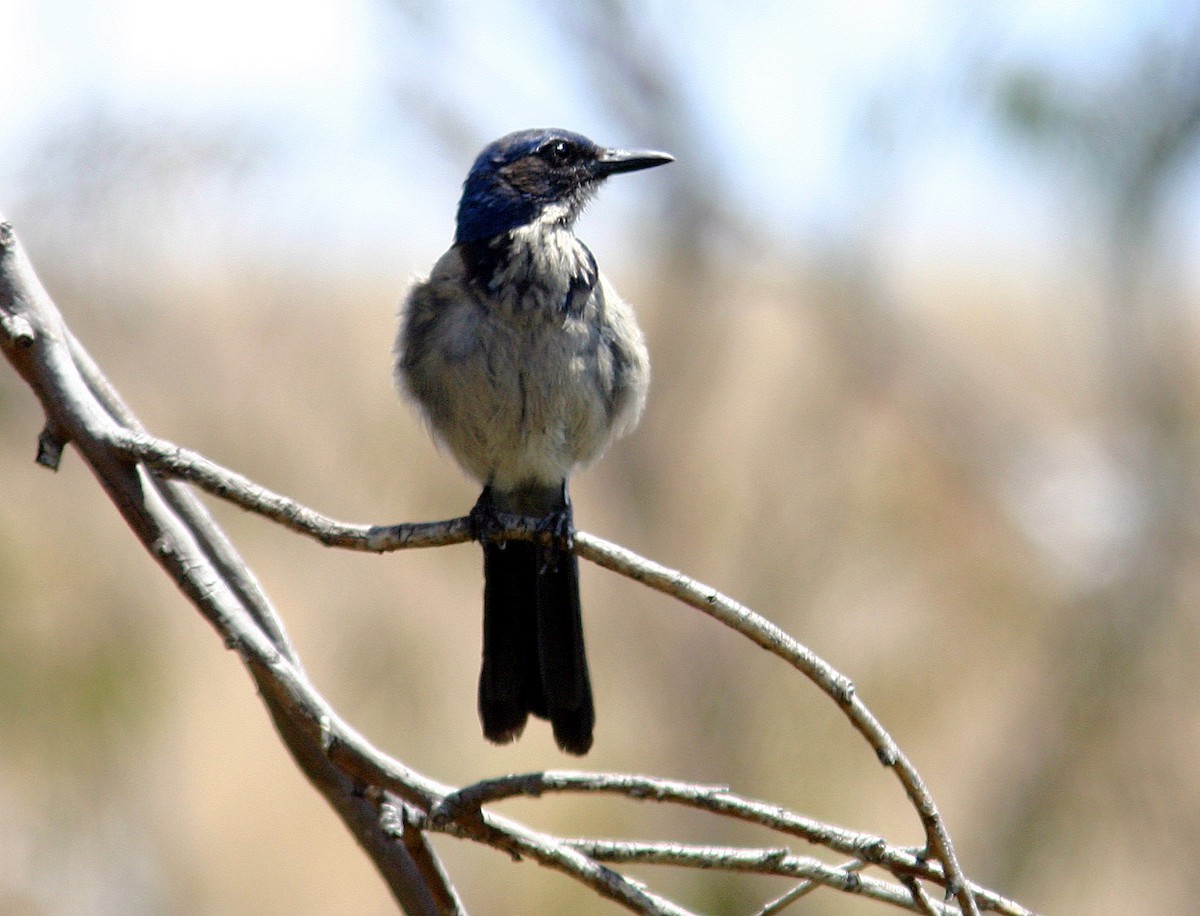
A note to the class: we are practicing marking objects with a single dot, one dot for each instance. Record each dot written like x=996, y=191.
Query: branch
x=177, y=531
x=777, y=861
x=169, y=459
x=836, y=685
x=803, y=889
x=865, y=848
x=83, y=409
x=388, y=807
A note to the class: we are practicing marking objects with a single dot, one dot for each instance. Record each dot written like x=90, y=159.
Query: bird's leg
x=559, y=526
x=485, y=525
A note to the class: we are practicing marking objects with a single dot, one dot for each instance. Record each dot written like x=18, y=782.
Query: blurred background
x=921, y=294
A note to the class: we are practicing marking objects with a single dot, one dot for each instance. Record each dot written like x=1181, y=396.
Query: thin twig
x=761, y=861
x=714, y=799
x=836, y=685
x=172, y=461
x=803, y=889
x=904, y=862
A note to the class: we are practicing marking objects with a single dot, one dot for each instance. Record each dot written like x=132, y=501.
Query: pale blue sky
x=785, y=84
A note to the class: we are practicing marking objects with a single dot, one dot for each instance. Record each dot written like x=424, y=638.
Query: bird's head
x=538, y=174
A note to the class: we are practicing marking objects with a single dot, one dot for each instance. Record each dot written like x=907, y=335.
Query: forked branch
x=387, y=806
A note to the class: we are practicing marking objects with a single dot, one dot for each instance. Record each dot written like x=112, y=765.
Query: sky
x=785, y=83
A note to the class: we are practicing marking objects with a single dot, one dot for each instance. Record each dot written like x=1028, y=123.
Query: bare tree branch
x=169, y=459
x=864, y=847
x=387, y=806
x=320, y=742
x=777, y=861
x=41, y=352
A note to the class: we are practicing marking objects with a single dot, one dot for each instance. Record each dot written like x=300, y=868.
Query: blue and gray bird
x=526, y=364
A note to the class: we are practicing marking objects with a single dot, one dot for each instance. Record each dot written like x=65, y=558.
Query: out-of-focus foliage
x=972, y=490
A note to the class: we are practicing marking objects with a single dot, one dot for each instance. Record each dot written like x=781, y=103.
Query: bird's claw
x=486, y=527
x=558, y=528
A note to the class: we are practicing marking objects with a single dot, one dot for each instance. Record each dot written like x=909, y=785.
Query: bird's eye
x=558, y=152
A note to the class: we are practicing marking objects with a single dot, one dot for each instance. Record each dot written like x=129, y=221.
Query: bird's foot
x=558, y=528
x=486, y=526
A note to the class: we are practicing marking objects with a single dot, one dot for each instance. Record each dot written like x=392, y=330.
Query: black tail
x=533, y=652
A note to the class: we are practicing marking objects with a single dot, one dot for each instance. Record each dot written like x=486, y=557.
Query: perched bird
x=526, y=365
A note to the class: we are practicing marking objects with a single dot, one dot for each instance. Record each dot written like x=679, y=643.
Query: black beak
x=613, y=161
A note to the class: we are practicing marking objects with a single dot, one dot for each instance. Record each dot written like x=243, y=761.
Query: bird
x=526, y=364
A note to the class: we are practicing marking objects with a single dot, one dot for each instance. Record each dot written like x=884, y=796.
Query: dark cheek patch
x=527, y=175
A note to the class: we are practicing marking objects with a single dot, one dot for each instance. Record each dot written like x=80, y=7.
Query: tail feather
x=533, y=650
x=509, y=688
x=563, y=661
